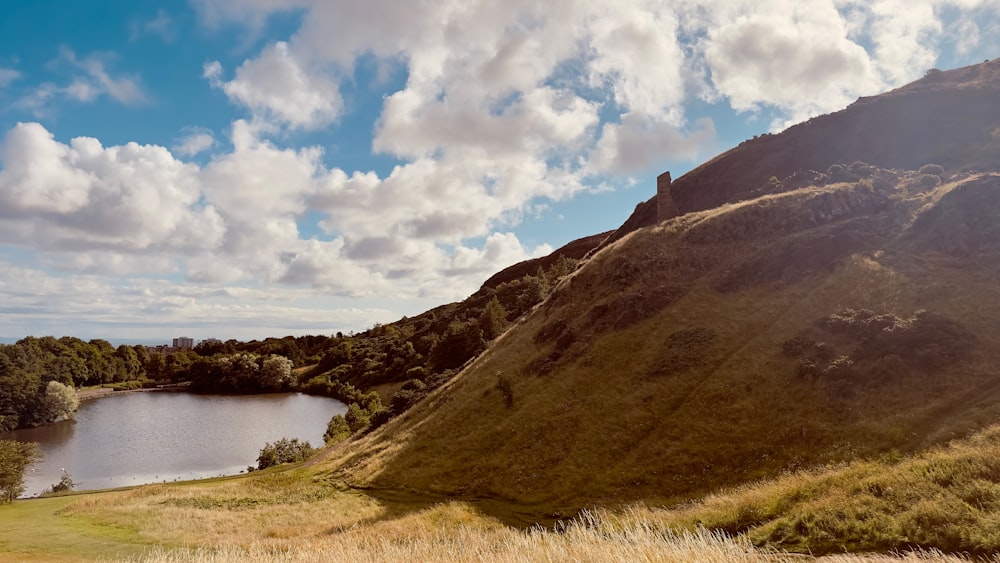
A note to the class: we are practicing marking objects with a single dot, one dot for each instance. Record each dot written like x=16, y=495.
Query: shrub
x=506, y=389
x=411, y=392
x=809, y=369
x=65, y=484
x=283, y=451
x=797, y=346
x=933, y=170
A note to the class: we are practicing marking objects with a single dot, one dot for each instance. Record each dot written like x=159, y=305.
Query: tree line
x=38, y=375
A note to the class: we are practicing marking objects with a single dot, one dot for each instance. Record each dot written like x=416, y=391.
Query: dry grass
x=593, y=537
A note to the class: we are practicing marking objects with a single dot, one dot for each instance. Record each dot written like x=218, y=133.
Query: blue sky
x=252, y=168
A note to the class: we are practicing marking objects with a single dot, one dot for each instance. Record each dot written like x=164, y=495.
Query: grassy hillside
x=810, y=327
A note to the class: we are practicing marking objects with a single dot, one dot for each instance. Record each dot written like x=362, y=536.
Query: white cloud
x=278, y=86
x=251, y=13
x=36, y=302
x=97, y=81
x=796, y=57
x=162, y=25
x=506, y=107
x=639, y=143
x=83, y=195
x=7, y=76
x=89, y=79
x=195, y=141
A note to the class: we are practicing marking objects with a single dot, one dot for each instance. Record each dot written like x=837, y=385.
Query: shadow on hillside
x=399, y=504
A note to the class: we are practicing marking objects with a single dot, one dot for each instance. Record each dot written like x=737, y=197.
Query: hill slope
x=948, y=118
x=824, y=317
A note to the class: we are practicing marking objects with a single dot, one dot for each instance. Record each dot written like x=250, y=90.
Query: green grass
x=946, y=499
x=610, y=421
x=40, y=530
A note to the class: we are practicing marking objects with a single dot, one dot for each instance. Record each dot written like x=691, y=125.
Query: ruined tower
x=665, y=206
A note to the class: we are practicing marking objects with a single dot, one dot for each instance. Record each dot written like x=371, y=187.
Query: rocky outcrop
x=665, y=206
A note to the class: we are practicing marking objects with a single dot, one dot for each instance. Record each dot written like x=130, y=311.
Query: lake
x=150, y=437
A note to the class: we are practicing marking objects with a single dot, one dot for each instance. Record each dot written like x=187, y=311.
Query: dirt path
x=90, y=394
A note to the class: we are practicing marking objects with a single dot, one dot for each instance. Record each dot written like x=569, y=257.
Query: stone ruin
x=665, y=206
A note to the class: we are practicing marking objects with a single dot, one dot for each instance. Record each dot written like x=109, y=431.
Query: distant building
x=183, y=343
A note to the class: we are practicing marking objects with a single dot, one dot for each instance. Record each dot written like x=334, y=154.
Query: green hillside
x=815, y=326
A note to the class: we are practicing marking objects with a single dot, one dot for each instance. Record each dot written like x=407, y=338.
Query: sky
x=253, y=168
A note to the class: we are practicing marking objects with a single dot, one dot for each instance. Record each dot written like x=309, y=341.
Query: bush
x=283, y=451
x=506, y=389
x=411, y=392
x=65, y=484
x=933, y=170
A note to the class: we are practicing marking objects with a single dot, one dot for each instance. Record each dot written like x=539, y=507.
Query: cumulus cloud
x=83, y=195
x=638, y=143
x=281, y=87
x=798, y=58
x=505, y=108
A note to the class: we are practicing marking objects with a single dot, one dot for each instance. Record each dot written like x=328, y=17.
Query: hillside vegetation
x=802, y=328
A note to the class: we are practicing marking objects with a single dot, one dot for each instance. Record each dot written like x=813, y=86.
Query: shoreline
x=101, y=392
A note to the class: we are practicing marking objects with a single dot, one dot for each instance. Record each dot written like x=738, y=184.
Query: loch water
x=152, y=437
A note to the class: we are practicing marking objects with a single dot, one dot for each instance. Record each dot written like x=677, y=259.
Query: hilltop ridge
x=947, y=118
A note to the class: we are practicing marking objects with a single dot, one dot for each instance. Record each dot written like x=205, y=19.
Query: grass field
x=904, y=507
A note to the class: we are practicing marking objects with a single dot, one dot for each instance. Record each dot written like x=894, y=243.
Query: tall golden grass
x=592, y=537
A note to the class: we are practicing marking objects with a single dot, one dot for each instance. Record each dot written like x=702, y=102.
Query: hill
x=771, y=325
x=948, y=118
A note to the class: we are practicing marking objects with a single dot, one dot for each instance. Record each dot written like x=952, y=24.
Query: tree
x=129, y=361
x=60, y=402
x=15, y=458
x=275, y=373
x=493, y=320
x=337, y=429
x=283, y=451
x=356, y=417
